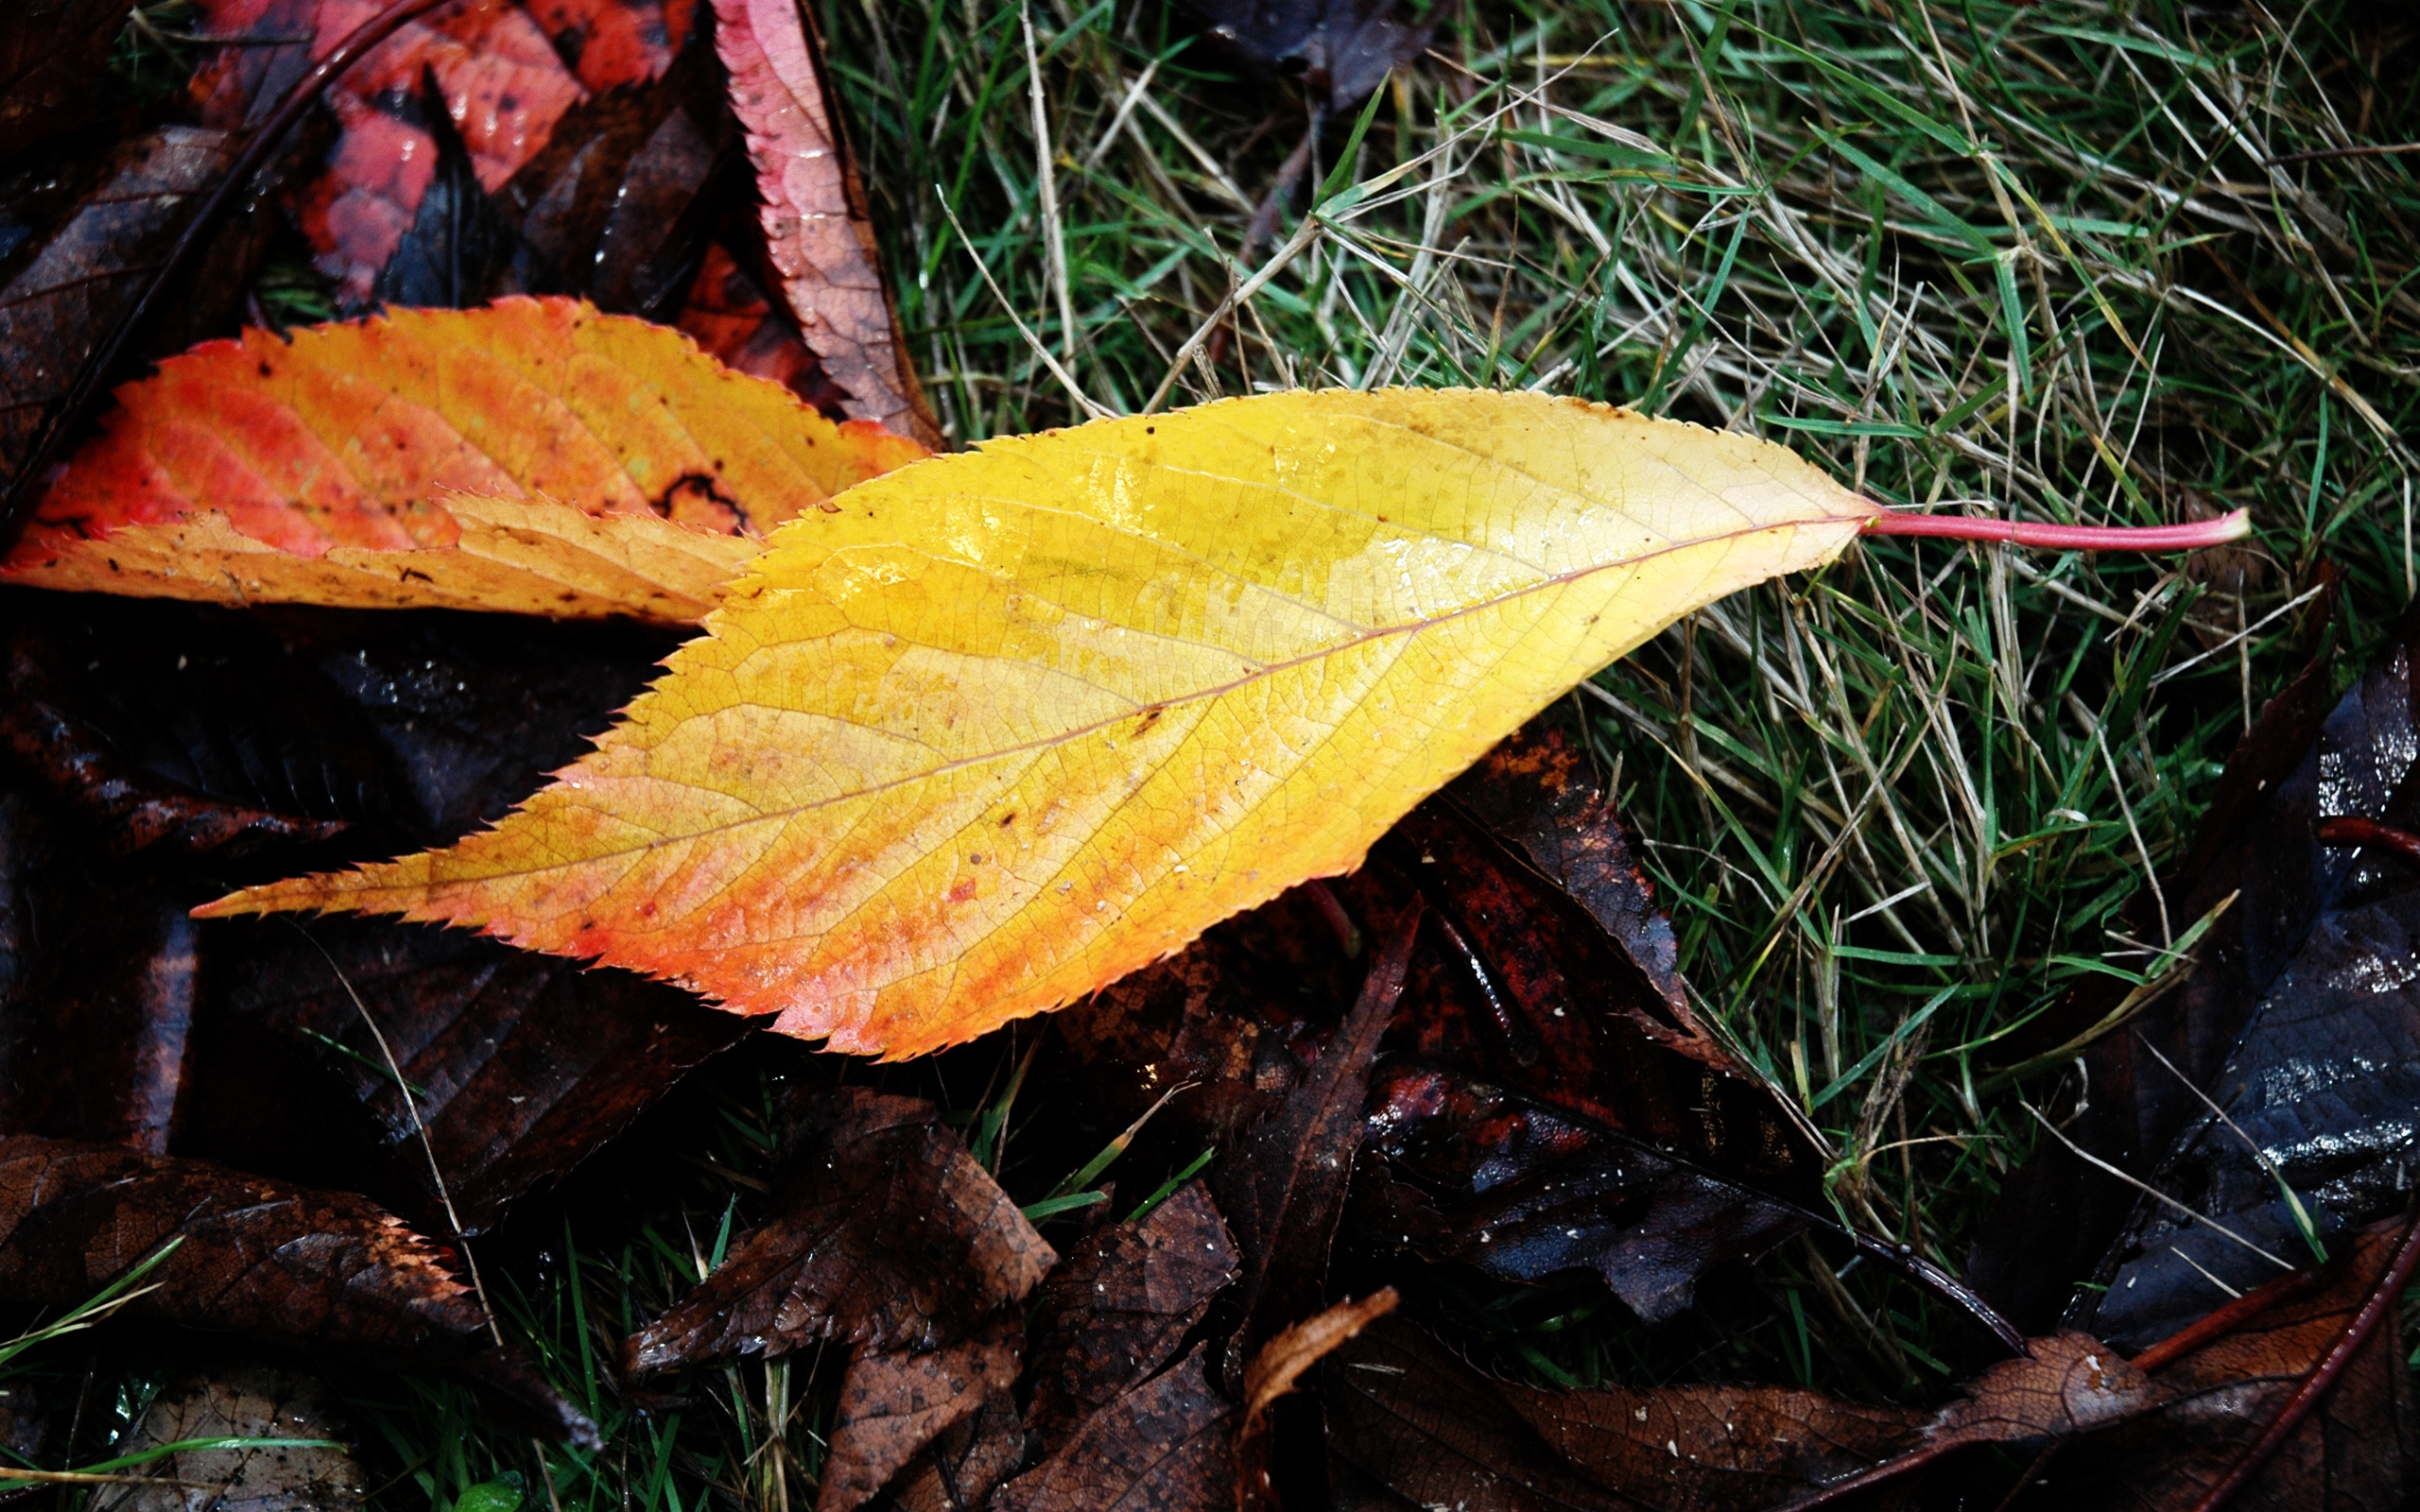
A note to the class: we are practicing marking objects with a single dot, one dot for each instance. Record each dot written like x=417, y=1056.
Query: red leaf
x=499, y=75
x=815, y=216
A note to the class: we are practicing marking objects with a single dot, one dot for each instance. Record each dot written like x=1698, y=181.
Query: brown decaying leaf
x=63, y=305
x=282, y=1264
x=53, y=54
x=962, y=1466
x=240, y=1399
x=1117, y=1307
x=893, y=1403
x=1161, y=1446
x=1275, y=1371
x=886, y=1235
x=890, y=1237
x=1411, y=1420
x=816, y=226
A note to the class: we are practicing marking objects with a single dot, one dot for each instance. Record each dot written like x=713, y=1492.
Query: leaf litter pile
x=465, y=466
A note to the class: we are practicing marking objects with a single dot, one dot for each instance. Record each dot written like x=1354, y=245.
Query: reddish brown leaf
x=1115, y=1310
x=63, y=305
x=816, y=226
x=888, y=1236
x=893, y=1403
x=729, y=315
x=53, y=54
x=1161, y=1446
x=2360, y=1448
x=615, y=42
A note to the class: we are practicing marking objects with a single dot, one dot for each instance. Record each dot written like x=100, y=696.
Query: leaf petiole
x=2192, y=536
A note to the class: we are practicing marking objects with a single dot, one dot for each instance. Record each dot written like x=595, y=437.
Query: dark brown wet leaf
x=1549, y=1104
x=1340, y=51
x=66, y=302
x=1282, y=1186
x=241, y=1400
x=2074, y=1424
x=887, y=1236
x=52, y=56
x=280, y=1263
x=1161, y=1446
x=522, y=1066
x=618, y=206
x=2301, y=1022
x=1118, y=1306
x=969, y=1459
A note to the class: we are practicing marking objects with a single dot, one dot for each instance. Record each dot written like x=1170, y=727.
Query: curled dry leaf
x=534, y=456
x=817, y=227
x=1275, y=1371
x=241, y=1400
x=926, y=773
x=1117, y=1307
x=1161, y=1446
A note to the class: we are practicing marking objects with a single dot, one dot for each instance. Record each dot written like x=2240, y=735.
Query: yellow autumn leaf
x=1012, y=723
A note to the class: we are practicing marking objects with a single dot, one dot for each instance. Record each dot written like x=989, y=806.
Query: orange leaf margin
x=534, y=457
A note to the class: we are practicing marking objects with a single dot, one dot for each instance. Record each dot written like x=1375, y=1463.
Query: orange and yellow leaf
x=1013, y=723
x=535, y=456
